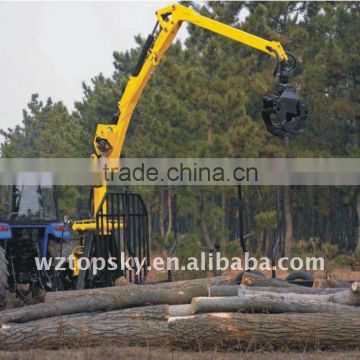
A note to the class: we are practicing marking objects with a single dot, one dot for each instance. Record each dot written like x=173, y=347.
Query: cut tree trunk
x=132, y=297
x=358, y=217
x=294, y=290
x=264, y=302
x=331, y=283
x=266, y=331
x=4, y=274
x=251, y=279
x=161, y=214
x=203, y=223
x=233, y=290
x=144, y=326
x=355, y=287
x=289, y=231
x=147, y=326
x=170, y=217
x=345, y=297
x=180, y=310
x=223, y=290
x=52, y=297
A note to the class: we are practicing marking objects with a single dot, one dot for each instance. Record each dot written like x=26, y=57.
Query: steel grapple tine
x=284, y=114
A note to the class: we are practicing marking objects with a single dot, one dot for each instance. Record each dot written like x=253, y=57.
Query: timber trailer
x=119, y=221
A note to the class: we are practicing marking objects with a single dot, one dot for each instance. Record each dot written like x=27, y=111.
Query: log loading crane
x=119, y=220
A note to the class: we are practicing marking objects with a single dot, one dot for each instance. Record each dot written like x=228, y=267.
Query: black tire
x=4, y=273
x=301, y=277
x=256, y=272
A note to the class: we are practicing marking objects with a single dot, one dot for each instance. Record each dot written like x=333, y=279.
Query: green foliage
x=47, y=131
x=266, y=220
x=233, y=249
x=301, y=249
x=343, y=260
x=189, y=245
x=329, y=251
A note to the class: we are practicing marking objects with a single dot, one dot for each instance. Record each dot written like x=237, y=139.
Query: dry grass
x=137, y=353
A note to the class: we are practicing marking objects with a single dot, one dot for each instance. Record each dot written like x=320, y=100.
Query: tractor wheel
x=4, y=273
x=300, y=277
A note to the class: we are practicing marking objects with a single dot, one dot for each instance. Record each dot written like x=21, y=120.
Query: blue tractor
x=30, y=228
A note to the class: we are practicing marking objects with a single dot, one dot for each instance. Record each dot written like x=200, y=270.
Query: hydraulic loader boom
x=109, y=138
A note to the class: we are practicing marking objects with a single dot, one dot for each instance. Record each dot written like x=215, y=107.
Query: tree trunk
x=331, y=283
x=52, y=297
x=265, y=302
x=180, y=310
x=343, y=297
x=149, y=207
x=132, y=297
x=358, y=217
x=223, y=290
x=233, y=290
x=224, y=217
x=266, y=331
x=288, y=222
x=169, y=207
x=261, y=242
x=146, y=326
x=161, y=214
x=355, y=287
x=267, y=242
x=250, y=279
x=204, y=227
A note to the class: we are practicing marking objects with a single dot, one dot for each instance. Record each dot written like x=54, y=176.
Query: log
x=180, y=310
x=251, y=279
x=233, y=290
x=332, y=322
x=355, y=287
x=331, y=283
x=268, y=303
x=223, y=290
x=144, y=326
x=135, y=296
x=344, y=297
x=246, y=290
x=266, y=331
x=147, y=326
x=52, y=297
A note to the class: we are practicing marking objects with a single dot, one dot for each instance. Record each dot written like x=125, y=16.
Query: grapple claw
x=284, y=114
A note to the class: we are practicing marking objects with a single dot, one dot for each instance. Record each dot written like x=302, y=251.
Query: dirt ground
x=136, y=353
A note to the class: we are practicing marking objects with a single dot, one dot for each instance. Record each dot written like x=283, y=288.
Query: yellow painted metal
x=170, y=19
x=90, y=225
x=76, y=254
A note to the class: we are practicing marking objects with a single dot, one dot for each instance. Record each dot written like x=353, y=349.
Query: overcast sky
x=49, y=48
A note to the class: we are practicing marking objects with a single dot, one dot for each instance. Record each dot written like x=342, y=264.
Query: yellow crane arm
x=109, y=138
x=170, y=20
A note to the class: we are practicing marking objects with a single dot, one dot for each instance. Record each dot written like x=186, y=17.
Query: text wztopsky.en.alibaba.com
x=205, y=262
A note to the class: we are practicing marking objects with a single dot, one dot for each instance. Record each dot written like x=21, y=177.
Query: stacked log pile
x=202, y=314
